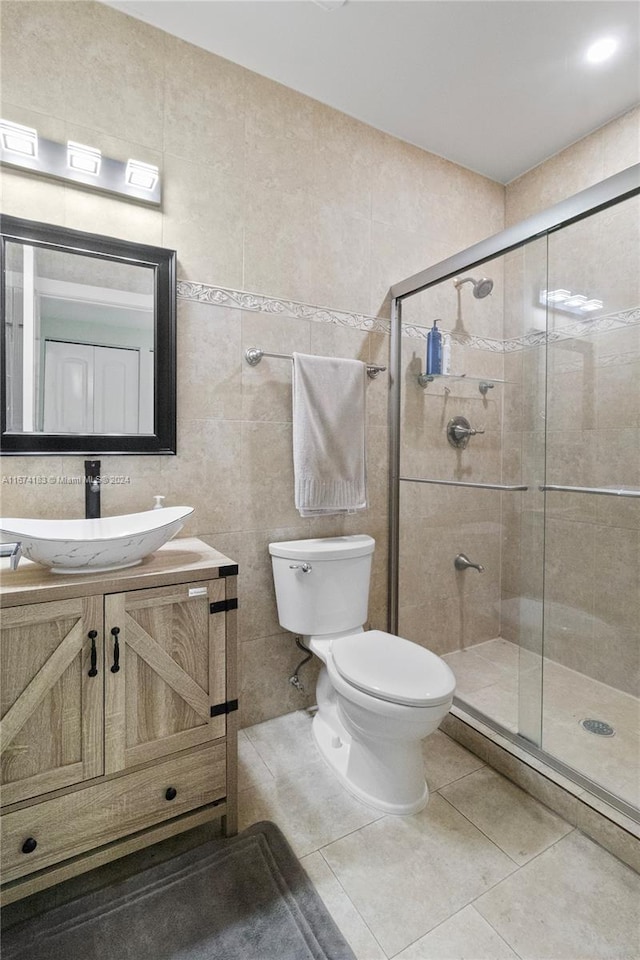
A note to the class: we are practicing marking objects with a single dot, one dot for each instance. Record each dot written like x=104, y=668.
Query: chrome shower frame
x=622, y=186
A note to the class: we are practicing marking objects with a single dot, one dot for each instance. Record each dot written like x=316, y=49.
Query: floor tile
x=285, y=744
x=518, y=824
x=407, y=874
x=311, y=808
x=573, y=902
x=352, y=926
x=464, y=936
x=445, y=760
x=252, y=770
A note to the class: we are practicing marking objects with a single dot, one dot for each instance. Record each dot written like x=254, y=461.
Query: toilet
x=378, y=695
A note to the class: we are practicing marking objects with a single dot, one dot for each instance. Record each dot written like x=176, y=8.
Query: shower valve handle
x=304, y=567
x=460, y=432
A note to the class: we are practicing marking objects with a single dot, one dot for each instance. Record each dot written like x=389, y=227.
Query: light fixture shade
x=83, y=158
x=556, y=296
x=16, y=138
x=142, y=175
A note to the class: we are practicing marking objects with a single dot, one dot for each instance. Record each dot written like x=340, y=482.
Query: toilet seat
x=393, y=669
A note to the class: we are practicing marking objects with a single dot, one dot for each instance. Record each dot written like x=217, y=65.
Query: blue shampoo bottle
x=434, y=350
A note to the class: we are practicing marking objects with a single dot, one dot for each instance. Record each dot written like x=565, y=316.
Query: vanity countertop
x=178, y=561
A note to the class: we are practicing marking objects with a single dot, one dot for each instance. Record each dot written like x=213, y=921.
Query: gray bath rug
x=242, y=898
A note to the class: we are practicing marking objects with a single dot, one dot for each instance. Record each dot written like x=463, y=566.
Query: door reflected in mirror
x=80, y=343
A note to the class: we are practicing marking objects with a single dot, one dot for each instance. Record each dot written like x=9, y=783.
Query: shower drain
x=599, y=727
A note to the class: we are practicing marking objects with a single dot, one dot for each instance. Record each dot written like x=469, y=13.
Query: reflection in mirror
x=80, y=342
x=88, y=364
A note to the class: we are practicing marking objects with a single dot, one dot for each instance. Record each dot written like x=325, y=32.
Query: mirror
x=88, y=358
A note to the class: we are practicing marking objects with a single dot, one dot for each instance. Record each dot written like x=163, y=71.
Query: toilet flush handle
x=305, y=567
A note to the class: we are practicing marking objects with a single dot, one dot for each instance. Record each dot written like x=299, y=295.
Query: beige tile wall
x=264, y=190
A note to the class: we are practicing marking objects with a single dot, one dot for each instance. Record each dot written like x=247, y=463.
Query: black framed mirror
x=88, y=343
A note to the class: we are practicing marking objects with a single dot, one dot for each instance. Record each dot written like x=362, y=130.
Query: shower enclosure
x=524, y=459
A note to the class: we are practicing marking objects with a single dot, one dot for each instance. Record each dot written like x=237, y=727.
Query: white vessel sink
x=95, y=546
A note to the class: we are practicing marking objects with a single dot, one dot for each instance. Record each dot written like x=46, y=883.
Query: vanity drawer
x=81, y=821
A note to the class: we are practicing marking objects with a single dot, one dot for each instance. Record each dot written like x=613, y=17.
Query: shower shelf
x=484, y=383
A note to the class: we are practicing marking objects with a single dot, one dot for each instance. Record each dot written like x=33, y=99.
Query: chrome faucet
x=13, y=551
x=462, y=562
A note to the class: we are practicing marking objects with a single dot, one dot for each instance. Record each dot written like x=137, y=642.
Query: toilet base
x=338, y=750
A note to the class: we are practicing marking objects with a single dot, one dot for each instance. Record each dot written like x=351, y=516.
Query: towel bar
x=254, y=355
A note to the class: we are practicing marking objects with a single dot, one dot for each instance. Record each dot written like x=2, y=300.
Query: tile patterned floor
x=494, y=676
x=485, y=872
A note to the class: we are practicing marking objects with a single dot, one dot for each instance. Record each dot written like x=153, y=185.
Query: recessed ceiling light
x=601, y=50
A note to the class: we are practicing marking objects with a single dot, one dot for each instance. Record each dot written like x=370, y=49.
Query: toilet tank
x=333, y=596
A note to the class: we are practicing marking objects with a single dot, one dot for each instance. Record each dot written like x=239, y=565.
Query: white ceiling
x=494, y=85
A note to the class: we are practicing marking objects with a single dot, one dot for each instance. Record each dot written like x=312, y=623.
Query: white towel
x=329, y=458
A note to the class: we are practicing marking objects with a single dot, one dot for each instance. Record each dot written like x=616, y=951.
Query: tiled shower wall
x=265, y=190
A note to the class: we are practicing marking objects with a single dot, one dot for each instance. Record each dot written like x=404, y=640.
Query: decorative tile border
x=417, y=332
x=572, y=330
x=256, y=303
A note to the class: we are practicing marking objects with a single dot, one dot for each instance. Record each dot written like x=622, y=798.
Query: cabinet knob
x=171, y=793
x=29, y=845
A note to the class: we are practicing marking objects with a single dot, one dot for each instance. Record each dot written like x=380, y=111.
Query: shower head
x=481, y=288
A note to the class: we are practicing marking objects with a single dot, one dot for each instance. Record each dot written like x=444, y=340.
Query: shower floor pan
x=493, y=675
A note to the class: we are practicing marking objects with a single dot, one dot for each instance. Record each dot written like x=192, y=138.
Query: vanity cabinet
x=119, y=711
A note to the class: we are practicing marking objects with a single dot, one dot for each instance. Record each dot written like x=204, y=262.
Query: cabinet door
x=165, y=669
x=51, y=696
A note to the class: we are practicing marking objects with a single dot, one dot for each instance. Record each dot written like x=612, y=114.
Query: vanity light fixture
x=81, y=157
x=16, y=138
x=78, y=163
x=142, y=175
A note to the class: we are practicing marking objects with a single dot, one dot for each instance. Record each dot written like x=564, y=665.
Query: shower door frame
x=616, y=189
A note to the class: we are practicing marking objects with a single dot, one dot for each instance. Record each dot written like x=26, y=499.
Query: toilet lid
x=392, y=668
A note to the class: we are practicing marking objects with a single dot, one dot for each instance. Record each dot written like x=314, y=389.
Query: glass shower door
x=591, y=686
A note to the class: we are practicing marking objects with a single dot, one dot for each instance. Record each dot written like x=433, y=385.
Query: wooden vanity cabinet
x=119, y=711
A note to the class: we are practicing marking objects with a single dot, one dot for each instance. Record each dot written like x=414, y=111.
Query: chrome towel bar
x=254, y=355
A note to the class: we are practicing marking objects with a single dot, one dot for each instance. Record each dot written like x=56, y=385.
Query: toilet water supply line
x=295, y=680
